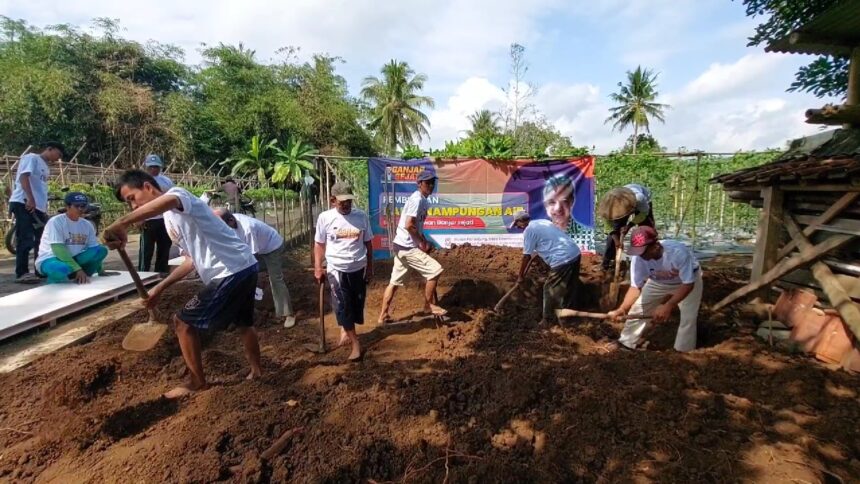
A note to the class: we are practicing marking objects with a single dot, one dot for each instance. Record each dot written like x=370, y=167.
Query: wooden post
x=828, y=215
x=785, y=266
x=835, y=292
x=853, y=94
x=696, y=199
x=708, y=203
x=722, y=209
x=767, y=239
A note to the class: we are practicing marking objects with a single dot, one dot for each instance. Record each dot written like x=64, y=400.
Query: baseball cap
x=426, y=175
x=342, y=191
x=640, y=238
x=153, y=160
x=520, y=215
x=76, y=198
x=57, y=146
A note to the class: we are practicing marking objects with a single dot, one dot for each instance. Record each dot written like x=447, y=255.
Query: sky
x=724, y=96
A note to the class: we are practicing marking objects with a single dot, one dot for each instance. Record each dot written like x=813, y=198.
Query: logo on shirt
x=76, y=239
x=345, y=233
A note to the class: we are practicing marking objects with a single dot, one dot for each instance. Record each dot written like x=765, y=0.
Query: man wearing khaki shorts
x=412, y=250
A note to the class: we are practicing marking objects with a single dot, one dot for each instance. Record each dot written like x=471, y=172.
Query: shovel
x=571, y=313
x=611, y=299
x=143, y=336
x=321, y=347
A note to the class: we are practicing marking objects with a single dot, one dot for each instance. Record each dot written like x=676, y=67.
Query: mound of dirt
x=486, y=397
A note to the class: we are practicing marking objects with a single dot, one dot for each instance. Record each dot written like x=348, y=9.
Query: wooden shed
x=809, y=226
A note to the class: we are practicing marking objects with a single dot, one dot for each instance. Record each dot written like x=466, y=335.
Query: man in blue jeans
x=69, y=248
x=29, y=205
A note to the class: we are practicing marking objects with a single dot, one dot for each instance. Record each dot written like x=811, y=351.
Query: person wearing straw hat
x=660, y=270
x=560, y=252
x=153, y=234
x=624, y=207
x=343, y=238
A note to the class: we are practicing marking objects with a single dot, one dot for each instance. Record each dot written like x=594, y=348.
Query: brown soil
x=486, y=398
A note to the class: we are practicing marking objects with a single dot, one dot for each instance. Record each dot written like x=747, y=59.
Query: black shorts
x=223, y=301
x=348, y=292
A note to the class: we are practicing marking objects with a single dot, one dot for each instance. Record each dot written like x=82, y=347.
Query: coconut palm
x=255, y=159
x=396, y=102
x=635, y=103
x=293, y=161
x=483, y=123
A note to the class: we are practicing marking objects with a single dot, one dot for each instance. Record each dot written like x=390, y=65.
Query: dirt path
x=490, y=398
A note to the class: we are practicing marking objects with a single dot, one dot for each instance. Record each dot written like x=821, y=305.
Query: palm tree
x=636, y=103
x=256, y=159
x=483, y=123
x=396, y=105
x=293, y=161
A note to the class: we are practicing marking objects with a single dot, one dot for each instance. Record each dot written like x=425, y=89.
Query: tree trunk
x=635, y=136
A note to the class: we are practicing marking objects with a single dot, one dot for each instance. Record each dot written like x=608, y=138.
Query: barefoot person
x=343, y=238
x=412, y=250
x=268, y=248
x=69, y=249
x=660, y=269
x=225, y=264
x=560, y=252
x=623, y=208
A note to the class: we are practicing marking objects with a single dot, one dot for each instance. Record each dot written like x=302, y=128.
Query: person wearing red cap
x=664, y=274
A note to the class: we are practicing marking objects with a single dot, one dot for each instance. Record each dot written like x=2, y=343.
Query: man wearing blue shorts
x=225, y=264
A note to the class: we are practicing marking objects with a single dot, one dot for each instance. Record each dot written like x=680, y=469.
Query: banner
x=474, y=200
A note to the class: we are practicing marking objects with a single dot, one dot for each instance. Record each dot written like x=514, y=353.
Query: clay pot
x=792, y=302
x=834, y=342
x=807, y=327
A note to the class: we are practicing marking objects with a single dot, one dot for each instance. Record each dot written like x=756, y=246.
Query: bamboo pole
x=696, y=200
x=708, y=205
x=75, y=156
x=722, y=209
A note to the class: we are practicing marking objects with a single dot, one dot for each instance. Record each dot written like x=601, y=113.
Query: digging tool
x=321, y=347
x=142, y=336
x=611, y=299
x=504, y=299
x=571, y=313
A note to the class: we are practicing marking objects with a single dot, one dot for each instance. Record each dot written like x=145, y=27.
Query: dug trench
x=486, y=397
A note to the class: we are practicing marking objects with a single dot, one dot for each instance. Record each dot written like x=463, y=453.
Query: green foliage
x=673, y=183
x=412, y=152
x=396, y=105
x=644, y=143
x=66, y=84
x=265, y=195
x=636, y=103
x=257, y=159
x=826, y=75
x=293, y=161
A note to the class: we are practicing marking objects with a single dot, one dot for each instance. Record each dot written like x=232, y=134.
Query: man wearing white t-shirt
x=343, y=238
x=69, y=248
x=29, y=205
x=268, y=248
x=153, y=236
x=225, y=264
x=412, y=250
x=660, y=271
x=546, y=240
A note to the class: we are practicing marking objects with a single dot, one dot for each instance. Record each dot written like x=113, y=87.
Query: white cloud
x=745, y=76
x=449, y=122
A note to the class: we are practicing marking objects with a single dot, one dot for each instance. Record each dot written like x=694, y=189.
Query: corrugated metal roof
x=830, y=157
x=834, y=32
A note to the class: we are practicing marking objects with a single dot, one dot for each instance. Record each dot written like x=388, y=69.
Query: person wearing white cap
x=412, y=250
x=664, y=274
x=343, y=239
x=268, y=248
x=545, y=239
x=153, y=234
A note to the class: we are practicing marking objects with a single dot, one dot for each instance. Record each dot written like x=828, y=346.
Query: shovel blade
x=314, y=348
x=143, y=336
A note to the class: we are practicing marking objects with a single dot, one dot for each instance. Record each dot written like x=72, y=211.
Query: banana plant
x=256, y=159
x=293, y=161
